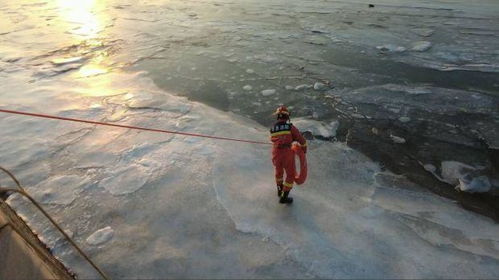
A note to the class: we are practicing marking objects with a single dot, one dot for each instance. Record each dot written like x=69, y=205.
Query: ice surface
x=183, y=207
x=188, y=207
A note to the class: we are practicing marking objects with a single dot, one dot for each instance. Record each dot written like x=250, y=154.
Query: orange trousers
x=284, y=161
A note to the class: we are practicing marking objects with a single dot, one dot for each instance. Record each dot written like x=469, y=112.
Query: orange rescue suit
x=282, y=135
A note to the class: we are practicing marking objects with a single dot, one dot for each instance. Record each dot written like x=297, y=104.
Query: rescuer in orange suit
x=282, y=135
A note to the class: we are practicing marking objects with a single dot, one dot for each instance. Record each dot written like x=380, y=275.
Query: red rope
x=130, y=127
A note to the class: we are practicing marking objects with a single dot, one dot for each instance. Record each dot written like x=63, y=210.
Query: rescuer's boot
x=285, y=199
x=279, y=190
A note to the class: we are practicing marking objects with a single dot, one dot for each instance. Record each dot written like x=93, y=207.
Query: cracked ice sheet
x=197, y=207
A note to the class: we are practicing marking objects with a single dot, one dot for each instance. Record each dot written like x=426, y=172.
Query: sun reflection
x=92, y=70
x=82, y=14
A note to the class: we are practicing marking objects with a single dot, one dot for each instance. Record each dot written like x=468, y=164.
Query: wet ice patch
x=317, y=128
x=101, y=236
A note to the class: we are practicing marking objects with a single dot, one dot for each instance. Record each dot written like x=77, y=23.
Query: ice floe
x=468, y=183
x=317, y=128
x=391, y=48
x=303, y=87
x=101, y=236
x=452, y=171
x=247, y=87
x=397, y=139
x=268, y=92
x=319, y=86
x=421, y=46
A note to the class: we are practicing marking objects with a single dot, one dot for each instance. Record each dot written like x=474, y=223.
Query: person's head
x=282, y=113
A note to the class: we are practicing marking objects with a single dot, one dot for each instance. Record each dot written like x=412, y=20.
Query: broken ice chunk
x=101, y=236
x=317, y=128
x=421, y=46
x=391, y=48
x=397, y=140
x=303, y=87
x=452, y=171
x=404, y=119
x=477, y=184
x=424, y=32
x=268, y=92
x=319, y=86
x=247, y=87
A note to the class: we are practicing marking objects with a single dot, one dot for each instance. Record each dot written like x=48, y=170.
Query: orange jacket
x=282, y=134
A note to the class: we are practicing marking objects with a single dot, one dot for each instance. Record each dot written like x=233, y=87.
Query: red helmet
x=282, y=112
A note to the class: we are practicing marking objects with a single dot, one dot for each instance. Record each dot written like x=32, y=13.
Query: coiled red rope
x=130, y=127
x=301, y=177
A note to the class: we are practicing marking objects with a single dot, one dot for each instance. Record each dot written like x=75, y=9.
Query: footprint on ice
x=101, y=236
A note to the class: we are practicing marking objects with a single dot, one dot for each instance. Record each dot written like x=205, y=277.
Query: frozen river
x=413, y=86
